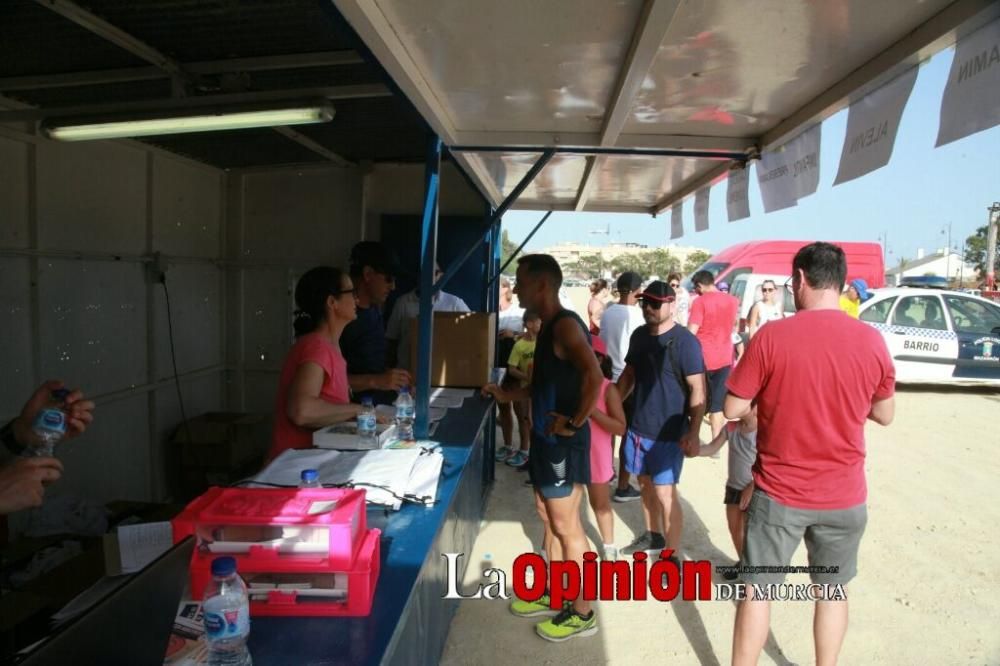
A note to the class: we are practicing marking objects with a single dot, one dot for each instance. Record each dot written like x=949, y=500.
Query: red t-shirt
x=815, y=377
x=312, y=348
x=715, y=314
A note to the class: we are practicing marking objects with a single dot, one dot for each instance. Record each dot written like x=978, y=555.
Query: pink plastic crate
x=265, y=526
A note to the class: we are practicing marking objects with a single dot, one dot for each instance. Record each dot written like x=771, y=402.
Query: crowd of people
x=643, y=371
x=646, y=370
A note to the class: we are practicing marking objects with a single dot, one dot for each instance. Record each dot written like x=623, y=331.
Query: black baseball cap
x=659, y=292
x=628, y=282
x=375, y=255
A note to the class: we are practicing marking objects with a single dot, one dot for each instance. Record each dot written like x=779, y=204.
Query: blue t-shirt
x=363, y=346
x=660, y=412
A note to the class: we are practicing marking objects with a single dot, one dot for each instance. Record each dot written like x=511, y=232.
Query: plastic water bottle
x=310, y=479
x=49, y=426
x=367, y=425
x=227, y=615
x=404, y=415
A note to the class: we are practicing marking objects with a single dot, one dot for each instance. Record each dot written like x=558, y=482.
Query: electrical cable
x=173, y=358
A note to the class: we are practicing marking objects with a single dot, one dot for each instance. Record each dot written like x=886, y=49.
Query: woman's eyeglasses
x=674, y=285
x=768, y=290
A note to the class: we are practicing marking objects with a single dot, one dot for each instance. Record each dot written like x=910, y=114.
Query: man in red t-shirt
x=816, y=378
x=712, y=319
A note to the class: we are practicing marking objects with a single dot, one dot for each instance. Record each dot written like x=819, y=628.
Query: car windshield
x=972, y=316
x=713, y=267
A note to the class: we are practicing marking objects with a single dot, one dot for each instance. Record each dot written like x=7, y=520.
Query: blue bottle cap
x=310, y=475
x=223, y=566
x=404, y=389
x=61, y=394
x=367, y=401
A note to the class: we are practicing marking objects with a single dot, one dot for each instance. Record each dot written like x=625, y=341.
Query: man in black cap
x=619, y=321
x=373, y=269
x=665, y=371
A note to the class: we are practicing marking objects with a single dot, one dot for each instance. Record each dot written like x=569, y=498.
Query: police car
x=938, y=336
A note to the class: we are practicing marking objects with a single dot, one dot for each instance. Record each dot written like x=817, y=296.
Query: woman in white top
x=511, y=325
x=769, y=309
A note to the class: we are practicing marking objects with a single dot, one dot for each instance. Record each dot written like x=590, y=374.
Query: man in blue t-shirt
x=373, y=271
x=665, y=371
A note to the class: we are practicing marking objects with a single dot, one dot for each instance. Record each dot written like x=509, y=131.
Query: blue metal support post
x=495, y=217
x=521, y=246
x=493, y=305
x=428, y=256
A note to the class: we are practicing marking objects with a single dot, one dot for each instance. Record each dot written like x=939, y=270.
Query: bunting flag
x=971, y=101
x=872, y=123
x=791, y=172
x=676, y=222
x=738, y=193
x=701, y=209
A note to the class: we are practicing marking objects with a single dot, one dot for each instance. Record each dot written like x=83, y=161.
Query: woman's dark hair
x=311, y=293
x=606, y=366
x=597, y=286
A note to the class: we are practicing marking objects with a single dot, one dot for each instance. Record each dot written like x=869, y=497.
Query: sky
x=910, y=201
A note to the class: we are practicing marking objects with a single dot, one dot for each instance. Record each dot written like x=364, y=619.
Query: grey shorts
x=774, y=531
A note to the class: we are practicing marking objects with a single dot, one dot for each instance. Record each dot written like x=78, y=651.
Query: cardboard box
x=462, y=348
x=223, y=440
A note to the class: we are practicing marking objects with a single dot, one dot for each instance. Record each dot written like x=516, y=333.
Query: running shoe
x=518, y=459
x=610, y=553
x=523, y=608
x=566, y=625
x=503, y=453
x=732, y=574
x=647, y=541
x=630, y=494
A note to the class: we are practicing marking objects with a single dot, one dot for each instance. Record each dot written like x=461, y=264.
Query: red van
x=864, y=260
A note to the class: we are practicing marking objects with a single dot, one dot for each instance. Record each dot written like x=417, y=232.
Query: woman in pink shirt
x=607, y=419
x=313, y=391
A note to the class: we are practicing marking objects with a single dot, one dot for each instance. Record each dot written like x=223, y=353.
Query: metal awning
x=645, y=101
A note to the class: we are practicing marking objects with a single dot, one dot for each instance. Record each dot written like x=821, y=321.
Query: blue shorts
x=662, y=461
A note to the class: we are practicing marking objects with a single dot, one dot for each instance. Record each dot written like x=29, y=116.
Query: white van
x=746, y=289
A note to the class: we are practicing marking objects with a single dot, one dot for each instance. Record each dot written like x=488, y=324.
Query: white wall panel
x=261, y=391
x=186, y=208
x=307, y=217
x=196, y=307
x=91, y=197
x=93, y=323
x=399, y=189
x=14, y=194
x=267, y=317
x=112, y=459
x=201, y=394
x=15, y=333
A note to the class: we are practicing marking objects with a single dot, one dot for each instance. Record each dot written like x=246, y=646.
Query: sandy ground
x=928, y=589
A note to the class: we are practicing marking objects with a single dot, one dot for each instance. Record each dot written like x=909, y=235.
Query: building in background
x=940, y=264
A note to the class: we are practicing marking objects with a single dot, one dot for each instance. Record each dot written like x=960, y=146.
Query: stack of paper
x=387, y=475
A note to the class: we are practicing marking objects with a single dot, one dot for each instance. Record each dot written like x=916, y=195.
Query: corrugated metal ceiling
x=37, y=42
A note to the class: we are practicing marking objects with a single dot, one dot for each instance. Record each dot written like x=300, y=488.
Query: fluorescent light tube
x=199, y=121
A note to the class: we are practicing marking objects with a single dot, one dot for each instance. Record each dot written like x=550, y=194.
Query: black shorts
x=717, y=388
x=732, y=496
x=559, y=465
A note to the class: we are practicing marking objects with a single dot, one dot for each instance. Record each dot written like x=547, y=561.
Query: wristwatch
x=571, y=426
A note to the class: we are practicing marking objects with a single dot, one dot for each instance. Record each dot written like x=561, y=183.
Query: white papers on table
x=424, y=478
x=385, y=474
x=142, y=543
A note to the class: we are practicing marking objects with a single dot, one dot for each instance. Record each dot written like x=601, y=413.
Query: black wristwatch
x=9, y=440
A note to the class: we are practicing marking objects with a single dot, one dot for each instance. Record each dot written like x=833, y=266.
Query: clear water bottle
x=310, y=479
x=367, y=425
x=226, y=609
x=49, y=426
x=404, y=415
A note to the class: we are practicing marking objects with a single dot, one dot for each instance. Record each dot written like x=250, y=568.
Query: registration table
x=409, y=620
